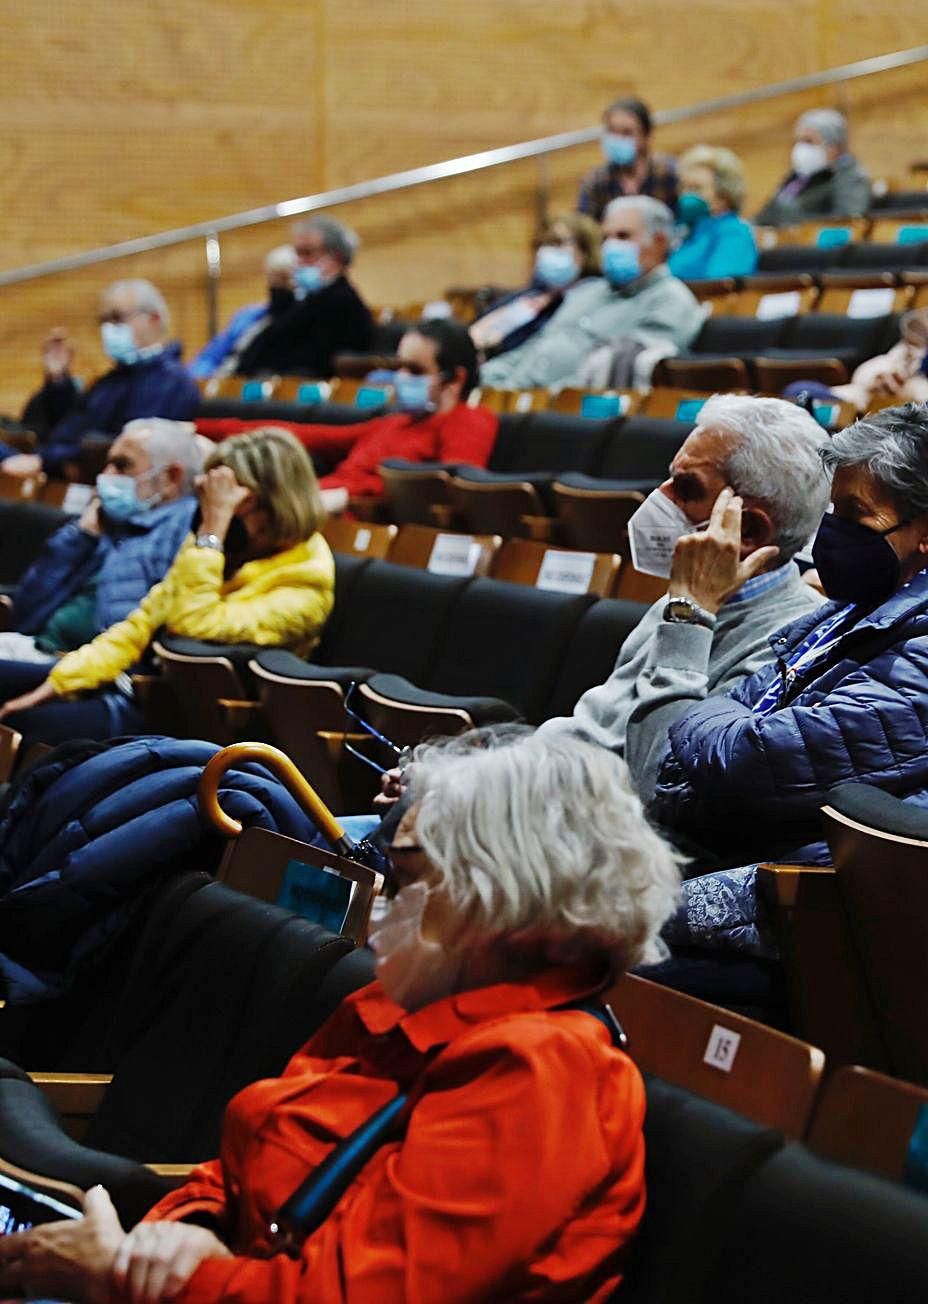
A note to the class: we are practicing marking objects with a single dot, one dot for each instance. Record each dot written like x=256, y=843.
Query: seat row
x=749, y=1192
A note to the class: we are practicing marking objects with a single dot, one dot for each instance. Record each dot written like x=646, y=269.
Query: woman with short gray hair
x=525, y=876
x=847, y=698
x=717, y=240
x=824, y=180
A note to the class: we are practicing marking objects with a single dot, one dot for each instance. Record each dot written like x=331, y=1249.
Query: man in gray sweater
x=745, y=492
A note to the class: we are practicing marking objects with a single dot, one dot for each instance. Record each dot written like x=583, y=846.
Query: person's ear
x=458, y=378
x=757, y=528
x=923, y=541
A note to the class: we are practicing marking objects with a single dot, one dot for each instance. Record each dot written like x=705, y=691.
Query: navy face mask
x=855, y=563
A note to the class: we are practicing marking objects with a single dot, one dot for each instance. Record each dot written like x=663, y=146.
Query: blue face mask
x=692, y=208
x=119, y=342
x=621, y=261
x=307, y=279
x=412, y=393
x=556, y=266
x=119, y=497
x=620, y=150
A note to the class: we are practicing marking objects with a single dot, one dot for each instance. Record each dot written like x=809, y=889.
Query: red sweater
x=465, y=434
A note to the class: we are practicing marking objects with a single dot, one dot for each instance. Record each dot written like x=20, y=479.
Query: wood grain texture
x=130, y=119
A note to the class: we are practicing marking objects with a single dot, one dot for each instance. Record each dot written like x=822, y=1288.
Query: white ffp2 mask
x=412, y=970
x=653, y=531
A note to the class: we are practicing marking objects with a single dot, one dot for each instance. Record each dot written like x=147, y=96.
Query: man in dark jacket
x=824, y=180
x=327, y=315
x=148, y=380
x=93, y=572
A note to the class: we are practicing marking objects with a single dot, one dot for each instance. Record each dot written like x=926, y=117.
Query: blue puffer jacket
x=128, y=558
x=749, y=788
x=82, y=839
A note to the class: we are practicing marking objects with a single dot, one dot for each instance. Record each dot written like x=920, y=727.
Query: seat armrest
x=178, y=1172
x=74, y=1095
x=542, y=529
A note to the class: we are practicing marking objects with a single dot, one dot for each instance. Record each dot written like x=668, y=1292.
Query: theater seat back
x=507, y=641
x=549, y=441
x=223, y=990
x=592, y=653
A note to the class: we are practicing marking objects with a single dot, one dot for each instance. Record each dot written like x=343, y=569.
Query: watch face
x=680, y=609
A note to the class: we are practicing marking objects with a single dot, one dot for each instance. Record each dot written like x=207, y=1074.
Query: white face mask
x=653, y=531
x=412, y=971
x=808, y=159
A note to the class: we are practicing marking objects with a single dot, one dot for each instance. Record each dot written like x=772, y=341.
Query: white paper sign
x=721, y=1048
x=771, y=306
x=361, y=539
x=566, y=572
x=877, y=302
x=454, y=554
x=524, y=401
x=76, y=498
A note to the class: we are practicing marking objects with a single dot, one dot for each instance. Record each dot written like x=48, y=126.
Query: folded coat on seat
x=94, y=826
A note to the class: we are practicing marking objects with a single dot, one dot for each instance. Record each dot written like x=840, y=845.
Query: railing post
x=542, y=193
x=213, y=277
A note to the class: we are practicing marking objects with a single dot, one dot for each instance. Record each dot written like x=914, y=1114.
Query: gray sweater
x=664, y=667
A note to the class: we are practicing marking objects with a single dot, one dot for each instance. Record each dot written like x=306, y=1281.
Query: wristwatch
x=682, y=611
x=210, y=541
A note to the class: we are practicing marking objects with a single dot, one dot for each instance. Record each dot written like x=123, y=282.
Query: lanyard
x=811, y=652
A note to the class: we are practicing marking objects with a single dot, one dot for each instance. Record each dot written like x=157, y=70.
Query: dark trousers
x=100, y=715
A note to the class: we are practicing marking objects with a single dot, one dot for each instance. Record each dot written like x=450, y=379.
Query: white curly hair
x=542, y=846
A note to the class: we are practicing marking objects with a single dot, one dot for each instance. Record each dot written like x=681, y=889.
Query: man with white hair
x=745, y=493
x=93, y=572
x=325, y=316
x=219, y=357
x=637, y=301
x=824, y=179
x=146, y=380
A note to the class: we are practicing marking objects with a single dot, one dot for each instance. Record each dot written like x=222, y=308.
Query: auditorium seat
x=771, y=296
x=24, y=528
x=526, y=561
x=592, y=515
x=593, y=650
x=638, y=453
x=713, y=374
x=549, y=442
x=807, y=1231
x=444, y=553
x=797, y=258
x=408, y=715
x=739, y=337
x=891, y=256
x=486, y=503
x=411, y=489
x=868, y=1120
x=360, y=539
x=863, y=294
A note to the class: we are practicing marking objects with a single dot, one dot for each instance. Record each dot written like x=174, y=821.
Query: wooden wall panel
x=123, y=120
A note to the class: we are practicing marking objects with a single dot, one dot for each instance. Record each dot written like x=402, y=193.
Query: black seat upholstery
x=877, y=809
x=739, y=337
x=549, y=441
x=812, y=1232
x=698, y=1159
x=506, y=641
x=347, y=571
x=24, y=528
x=888, y=257
x=837, y=335
x=481, y=709
x=592, y=652
x=799, y=258
x=393, y=620
x=640, y=451
x=329, y=414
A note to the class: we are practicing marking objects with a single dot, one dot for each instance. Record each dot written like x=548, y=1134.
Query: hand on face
x=57, y=354
x=220, y=496
x=707, y=566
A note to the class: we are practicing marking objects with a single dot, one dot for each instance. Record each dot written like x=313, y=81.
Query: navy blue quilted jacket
x=749, y=788
x=128, y=559
x=87, y=833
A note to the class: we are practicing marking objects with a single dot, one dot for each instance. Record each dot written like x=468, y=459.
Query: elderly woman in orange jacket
x=525, y=877
x=256, y=571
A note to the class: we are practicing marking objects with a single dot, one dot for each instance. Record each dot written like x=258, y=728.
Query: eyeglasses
x=401, y=753
x=117, y=318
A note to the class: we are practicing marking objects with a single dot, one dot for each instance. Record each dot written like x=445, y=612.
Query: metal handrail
x=454, y=167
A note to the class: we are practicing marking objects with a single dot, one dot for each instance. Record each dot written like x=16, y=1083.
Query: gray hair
x=281, y=259
x=543, y=849
x=829, y=123
x=337, y=238
x=147, y=298
x=775, y=459
x=657, y=217
x=893, y=446
x=727, y=172
x=169, y=443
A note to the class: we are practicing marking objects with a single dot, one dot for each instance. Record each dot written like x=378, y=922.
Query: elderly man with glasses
x=146, y=380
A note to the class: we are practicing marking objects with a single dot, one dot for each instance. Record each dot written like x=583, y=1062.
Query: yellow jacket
x=280, y=601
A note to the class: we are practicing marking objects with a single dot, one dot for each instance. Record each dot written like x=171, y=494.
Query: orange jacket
x=520, y=1176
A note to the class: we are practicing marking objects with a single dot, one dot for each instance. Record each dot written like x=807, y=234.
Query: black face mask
x=855, y=563
x=236, y=541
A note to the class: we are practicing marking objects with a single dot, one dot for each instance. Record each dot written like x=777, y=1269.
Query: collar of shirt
x=763, y=583
x=658, y=273
x=150, y=351
x=440, y=1022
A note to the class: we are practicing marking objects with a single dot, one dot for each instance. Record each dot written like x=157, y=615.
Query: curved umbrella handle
x=283, y=768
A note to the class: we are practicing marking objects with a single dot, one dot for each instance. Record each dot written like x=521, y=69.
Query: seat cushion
x=699, y=1157
x=482, y=710
x=286, y=664
x=877, y=809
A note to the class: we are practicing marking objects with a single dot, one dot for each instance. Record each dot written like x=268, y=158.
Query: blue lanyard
x=810, y=653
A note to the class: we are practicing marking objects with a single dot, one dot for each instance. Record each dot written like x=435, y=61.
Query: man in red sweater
x=438, y=369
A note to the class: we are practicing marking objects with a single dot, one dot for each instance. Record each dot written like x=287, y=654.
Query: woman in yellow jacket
x=257, y=571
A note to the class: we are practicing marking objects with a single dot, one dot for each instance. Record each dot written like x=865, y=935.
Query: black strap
x=316, y=1197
